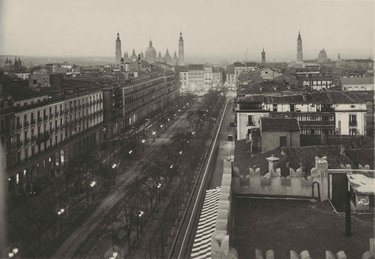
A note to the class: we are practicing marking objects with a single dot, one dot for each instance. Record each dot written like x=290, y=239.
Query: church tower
x=118, y=49
x=299, y=49
x=181, y=51
x=263, y=56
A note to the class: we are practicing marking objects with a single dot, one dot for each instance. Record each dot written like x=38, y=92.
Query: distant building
x=263, y=57
x=133, y=57
x=195, y=77
x=39, y=79
x=150, y=53
x=118, y=49
x=183, y=75
x=321, y=113
x=299, y=50
x=181, y=53
x=275, y=132
x=230, y=78
x=243, y=67
x=174, y=59
x=167, y=57
x=322, y=57
x=358, y=84
x=269, y=73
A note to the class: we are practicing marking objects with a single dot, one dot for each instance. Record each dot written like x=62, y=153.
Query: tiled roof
x=361, y=156
x=357, y=80
x=196, y=67
x=245, y=64
x=366, y=96
x=331, y=97
x=20, y=91
x=278, y=124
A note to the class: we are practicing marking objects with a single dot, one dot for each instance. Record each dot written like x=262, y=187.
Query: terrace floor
x=284, y=225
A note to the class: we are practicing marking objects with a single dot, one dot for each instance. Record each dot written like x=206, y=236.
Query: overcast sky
x=220, y=28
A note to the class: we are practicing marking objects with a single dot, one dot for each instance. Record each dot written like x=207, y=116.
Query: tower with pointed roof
x=263, y=57
x=175, y=59
x=167, y=57
x=299, y=49
x=118, y=49
x=181, y=51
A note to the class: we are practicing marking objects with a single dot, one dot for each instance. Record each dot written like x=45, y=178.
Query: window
x=292, y=107
x=283, y=141
x=352, y=131
x=274, y=107
x=250, y=120
x=352, y=117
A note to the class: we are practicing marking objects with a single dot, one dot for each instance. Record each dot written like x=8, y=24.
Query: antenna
x=246, y=54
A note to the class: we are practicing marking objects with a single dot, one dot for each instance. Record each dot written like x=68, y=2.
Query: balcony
x=352, y=123
x=26, y=124
x=45, y=117
x=27, y=140
x=39, y=119
x=33, y=121
x=250, y=123
x=18, y=125
x=57, y=114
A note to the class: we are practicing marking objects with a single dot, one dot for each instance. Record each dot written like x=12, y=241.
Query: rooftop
x=331, y=97
x=196, y=67
x=292, y=157
x=357, y=80
x=284, y=225
x=245, y=64
x=278, y=124
x=20, y=90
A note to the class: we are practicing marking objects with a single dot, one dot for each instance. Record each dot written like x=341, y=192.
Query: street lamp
x=180, y=153
x=114, y=166
x=143, y=141
x=13, y=252
x=60, y=213
x=130, y=152
x=171, y=166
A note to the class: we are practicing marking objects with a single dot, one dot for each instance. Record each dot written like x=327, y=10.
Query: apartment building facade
x=324, y=113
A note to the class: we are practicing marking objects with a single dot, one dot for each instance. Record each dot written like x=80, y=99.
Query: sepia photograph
x=199, y=129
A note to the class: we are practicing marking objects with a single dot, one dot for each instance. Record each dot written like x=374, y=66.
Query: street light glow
x=159, y=185
x=93, y=183
x=114, y=166
x=180, y=152
x=154, y=133
x=143, y=141
x=171, y=166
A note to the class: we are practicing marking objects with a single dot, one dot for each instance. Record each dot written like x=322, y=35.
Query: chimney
x=271, y=160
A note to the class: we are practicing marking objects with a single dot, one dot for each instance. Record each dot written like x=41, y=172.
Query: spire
x=150, y=43
x=299, y=35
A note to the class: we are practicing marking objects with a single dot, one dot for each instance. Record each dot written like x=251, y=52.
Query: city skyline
x=221, y=36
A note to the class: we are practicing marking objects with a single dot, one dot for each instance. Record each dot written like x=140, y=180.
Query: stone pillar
x=271, y=160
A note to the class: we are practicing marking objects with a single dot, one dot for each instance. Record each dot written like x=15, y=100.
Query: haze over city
x=213, y=29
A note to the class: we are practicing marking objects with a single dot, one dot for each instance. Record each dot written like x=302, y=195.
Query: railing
x=352, y=123
x=18, y=126
x=39, y=119
x=26, y=123
x=250, y=124
x=33, y=121
x=45, y=117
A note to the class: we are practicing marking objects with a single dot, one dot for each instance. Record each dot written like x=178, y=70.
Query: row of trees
x=166, y=183
x=36, y=223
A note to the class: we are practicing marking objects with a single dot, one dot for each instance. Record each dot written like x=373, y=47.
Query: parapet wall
x=271, y=183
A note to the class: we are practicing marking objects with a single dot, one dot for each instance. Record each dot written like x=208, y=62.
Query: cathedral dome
x=150, y=53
